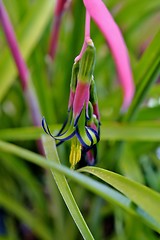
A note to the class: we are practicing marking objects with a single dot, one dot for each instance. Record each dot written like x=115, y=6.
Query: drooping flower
x=82, y=124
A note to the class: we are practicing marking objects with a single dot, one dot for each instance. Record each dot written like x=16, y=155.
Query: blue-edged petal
x=86, y=135
x=63, y=137
x=93, y=134
x=66, y=124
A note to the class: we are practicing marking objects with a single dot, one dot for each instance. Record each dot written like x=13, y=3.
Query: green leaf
x=146, y=72
x=131, y=16
x=109, y=194
x=25, y=133
x=137, y=131
x=51, y=153
x=141, y=195
x=131, y=169
x=34, y=222
x=111, y=131
x=29, y=33
x=32, y=186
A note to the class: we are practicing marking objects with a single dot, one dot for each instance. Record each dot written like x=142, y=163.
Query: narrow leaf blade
x=51, y=153
x=141, y=195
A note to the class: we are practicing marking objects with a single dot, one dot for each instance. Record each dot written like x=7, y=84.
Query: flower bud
x=87, y=63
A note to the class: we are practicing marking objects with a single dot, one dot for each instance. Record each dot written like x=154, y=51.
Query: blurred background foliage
x=30, y=204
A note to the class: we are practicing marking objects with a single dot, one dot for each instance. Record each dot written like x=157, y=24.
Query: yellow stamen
x=75, y=153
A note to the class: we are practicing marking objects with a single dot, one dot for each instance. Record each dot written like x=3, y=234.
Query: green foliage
x=128, y=154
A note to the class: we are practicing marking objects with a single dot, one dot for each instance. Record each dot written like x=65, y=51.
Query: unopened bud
x=75, y=70
x=87, y=63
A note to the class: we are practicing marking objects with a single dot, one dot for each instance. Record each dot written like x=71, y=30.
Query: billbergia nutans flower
x=83, y=115
x=82, y=124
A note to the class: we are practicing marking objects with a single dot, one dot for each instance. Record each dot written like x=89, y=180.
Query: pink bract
x=81, y=98
x=71, y=99
x=113, y=36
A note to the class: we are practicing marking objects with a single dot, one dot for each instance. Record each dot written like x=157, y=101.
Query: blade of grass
x=148, y=60
x=51, y=153
x=146, y=73
x=141, y=195
x=149, y=114
x=32, y=186
x=58, y=220
x=109, y=194
x=29, y=33
x=26, y=133
x=127, y=14
x=135, y=131
x=25, y=216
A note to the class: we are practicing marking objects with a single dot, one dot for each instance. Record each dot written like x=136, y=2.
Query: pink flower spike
x=12, y=42
x=113, y=36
